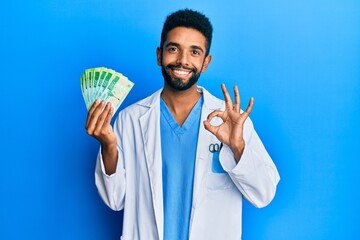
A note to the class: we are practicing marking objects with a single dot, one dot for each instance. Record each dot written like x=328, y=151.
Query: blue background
x=299, y=59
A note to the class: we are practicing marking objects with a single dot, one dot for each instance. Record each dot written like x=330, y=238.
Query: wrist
x=109, y=155
x=109, y=151
x=108, y=146
x=238, y=151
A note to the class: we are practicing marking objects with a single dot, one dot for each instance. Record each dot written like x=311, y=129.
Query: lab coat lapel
x=150, y=128
x=205, y=138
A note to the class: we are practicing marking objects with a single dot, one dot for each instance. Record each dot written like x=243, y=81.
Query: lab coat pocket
x=218, y=181
x=217, y=178
x=216, y=165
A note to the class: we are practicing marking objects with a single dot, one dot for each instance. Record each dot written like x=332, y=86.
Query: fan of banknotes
x=104, y=84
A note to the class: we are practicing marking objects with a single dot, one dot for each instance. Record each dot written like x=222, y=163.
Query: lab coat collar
x=210, y=102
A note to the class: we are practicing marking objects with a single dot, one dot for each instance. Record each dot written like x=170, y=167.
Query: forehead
x=186, y=37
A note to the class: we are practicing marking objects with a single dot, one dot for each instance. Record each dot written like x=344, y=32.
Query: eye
x=196, y=52
x=172, y=49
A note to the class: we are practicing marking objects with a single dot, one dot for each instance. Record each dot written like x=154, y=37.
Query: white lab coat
x=216, y=210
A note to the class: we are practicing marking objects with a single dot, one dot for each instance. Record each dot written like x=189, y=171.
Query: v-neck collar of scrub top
x=191, y=118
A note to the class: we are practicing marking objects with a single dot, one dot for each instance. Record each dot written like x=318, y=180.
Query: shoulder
x=210, y=101
x=137, y=109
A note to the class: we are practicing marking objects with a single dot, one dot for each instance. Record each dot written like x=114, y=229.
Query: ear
x=158, y=56
x=207, y=61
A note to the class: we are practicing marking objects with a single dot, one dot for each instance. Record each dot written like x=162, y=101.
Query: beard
x=178, y=83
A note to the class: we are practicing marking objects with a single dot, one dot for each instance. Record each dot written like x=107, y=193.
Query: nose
x=182, y=59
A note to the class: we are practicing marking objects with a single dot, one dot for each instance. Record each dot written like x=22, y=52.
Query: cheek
x=200, y=66
x=166, y=59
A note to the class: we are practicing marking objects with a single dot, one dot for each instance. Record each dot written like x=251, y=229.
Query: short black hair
x=190, y=19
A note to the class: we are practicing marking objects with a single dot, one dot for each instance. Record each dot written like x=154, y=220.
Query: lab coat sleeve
x=255, y=175
x=112, y=187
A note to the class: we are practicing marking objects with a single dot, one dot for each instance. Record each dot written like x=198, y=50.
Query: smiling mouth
x=181, y=72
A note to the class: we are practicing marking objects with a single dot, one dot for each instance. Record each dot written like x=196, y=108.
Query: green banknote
x=104, y=84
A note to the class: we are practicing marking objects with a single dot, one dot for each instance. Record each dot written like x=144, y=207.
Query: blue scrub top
x=178, y=146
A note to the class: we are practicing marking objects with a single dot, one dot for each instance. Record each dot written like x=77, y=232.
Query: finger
x=91, y=111
x=237, y=100
x=216, y=113
x=109, y=116
x=210, y=128
x=101, y=120
x=249, y=107
x=228, y=101
x=94, y=117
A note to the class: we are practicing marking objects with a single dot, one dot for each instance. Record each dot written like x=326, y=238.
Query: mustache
x=179, y=66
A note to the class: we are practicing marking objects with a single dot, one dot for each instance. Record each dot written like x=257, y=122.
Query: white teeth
x=180, y=72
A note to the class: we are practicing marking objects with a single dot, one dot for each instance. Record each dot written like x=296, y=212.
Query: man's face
x=182, y=57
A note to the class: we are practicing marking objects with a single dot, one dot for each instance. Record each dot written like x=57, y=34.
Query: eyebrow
x=178, y=45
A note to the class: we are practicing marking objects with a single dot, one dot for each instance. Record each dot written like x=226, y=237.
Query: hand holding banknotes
x=98, y=125
x=104, y=90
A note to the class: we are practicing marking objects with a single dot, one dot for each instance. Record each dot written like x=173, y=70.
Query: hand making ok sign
x=230, y=132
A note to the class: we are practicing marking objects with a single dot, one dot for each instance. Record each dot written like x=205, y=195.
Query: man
x=180, y=161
